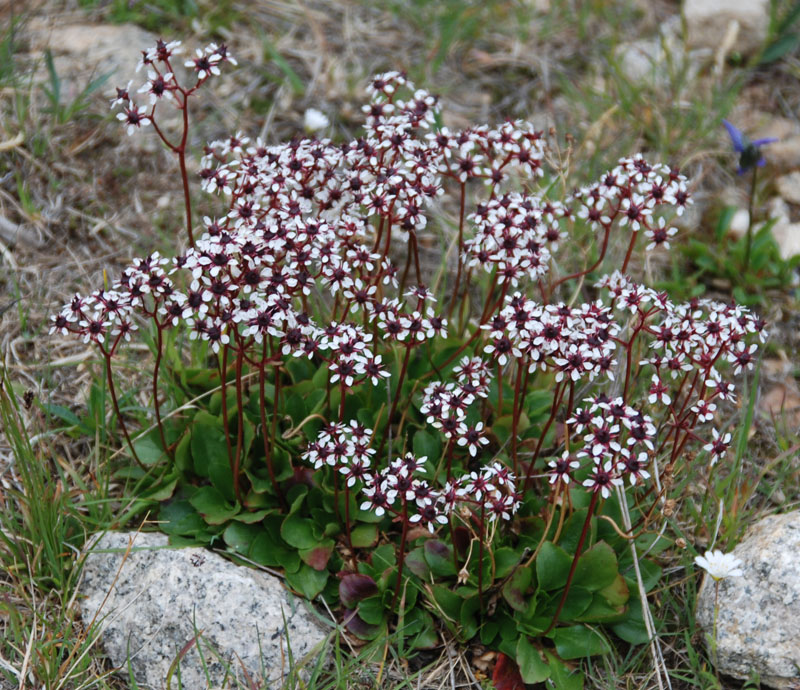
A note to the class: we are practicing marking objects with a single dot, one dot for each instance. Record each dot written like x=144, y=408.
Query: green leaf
x=210, y=453
x=255, y=516
x=266, y=550
x=178, y=517
x=600, y=611
x=651, y=574
x=183, y=454
x=503, y=426
x=723, y=223
x=617, y=593
x=426, y=638
x=439, y=557
x=410, y=622
x=240, y=536
x=203, y=378
x=632, y=629
x=516, y=588
x=296, y=497
x=448, y=601
x=318, y=556
x=211, y=504
x=364, y=536
x=573, y=527
x=552, y=566
x=578, y=600
x=578, y=641
x=64, y=414
x=149, y=449
x=383, y=557
x=532, y=667
x=371, y=609
x=163, y=490
x=782, y=46
x=308, y=581
x=295, y=82
x=505, y=559
x=489, y=631
x=299, y=532
x=538, y=403
x=469, y=623
x=596, y=568
x=427, y=445
x=561, y=676
x=416, y=563
x=296, y=408
x=54, y=92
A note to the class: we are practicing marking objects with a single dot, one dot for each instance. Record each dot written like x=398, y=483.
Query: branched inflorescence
x=303, y=264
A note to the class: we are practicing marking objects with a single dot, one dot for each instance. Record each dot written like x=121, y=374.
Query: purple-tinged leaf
x=356, y=625
x=506, y=674
x=439, y=557
x=355, y=587
x=318, y=556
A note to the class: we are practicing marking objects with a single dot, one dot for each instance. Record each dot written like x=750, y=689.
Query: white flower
x=720, y=565
x=314, y=120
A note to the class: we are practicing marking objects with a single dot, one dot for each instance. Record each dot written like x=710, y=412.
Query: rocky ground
x=79, y=198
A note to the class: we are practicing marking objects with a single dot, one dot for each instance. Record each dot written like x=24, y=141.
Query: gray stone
x=162, y=595
x=642, y=60
x=758, y=626
x=82, y=52
x=708, y=23
x=787, y=236
x=651, y=60
x=784, y=154
x=789, y=187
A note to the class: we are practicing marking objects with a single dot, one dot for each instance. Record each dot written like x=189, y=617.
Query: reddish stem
x=401, y=554
x=557, y=397
x=460, y=249
x=267, y=443
x=574, y=565
x=396, y=398
x=592, y=267
x=112, y=390
x=239, y=425
x=156, y=366
x=181, y=151
x=223, y=372
x=631, y=244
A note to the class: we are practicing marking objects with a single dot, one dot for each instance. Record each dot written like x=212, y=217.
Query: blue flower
x=749, y=151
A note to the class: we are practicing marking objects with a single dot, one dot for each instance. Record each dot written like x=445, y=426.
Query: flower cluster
x=302, y=263
x=616, y=438
x=490, y=493
x=631, y=192
x=162, y=85
x=445, y=405
x=574, y=343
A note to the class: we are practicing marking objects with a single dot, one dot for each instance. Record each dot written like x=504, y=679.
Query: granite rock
x=708, y=23
x=652, y=60
x=787, y=236
x=758, y=626
x=788, y=187
x=161, y=596
x=83, y=52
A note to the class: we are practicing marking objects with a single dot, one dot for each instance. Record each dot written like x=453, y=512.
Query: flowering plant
x=391, y=434
x=720, y=565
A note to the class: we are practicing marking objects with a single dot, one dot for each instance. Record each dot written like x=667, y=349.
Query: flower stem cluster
x=315, y=257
